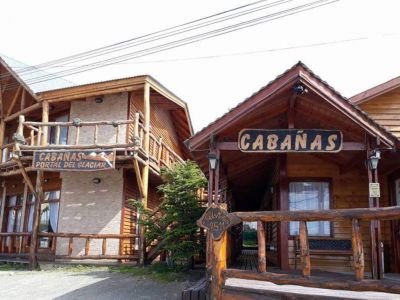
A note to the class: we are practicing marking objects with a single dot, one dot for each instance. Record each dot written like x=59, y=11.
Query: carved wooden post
x=218, y=265
x=262, y=262
x=304, y=249
x=358, y=251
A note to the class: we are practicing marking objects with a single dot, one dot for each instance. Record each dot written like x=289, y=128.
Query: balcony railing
x=80, y=135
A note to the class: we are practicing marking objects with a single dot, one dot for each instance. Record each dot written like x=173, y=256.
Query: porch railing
x=16, y=244
x=218, y=258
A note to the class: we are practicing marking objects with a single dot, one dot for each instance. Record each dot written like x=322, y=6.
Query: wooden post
x=283, y=236
x=262, y=261
x=2, y=130
x=45, y=118
x=304, y=249
x=23, y=98
x=218, y=265
x=36, y=216
x=216, y=181
x=378, y=235
x=358, y=251
x=3, y=204
x=23, y=212
x=145, y=169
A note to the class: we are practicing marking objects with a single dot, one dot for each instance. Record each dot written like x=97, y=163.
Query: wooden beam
x=1, y=103
x=23, y=99
x=13, y=101
x=25, y=111
x=138, y=177
x=3, y=204
x=347, y=146
x=25, y=175
x=291, y=111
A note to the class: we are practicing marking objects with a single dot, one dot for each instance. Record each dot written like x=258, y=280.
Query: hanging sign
x=217, y=220
x=374, y=190
x=74, y=160
x=290, y=140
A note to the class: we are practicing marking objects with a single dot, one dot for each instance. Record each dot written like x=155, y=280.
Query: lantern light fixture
x=213, y=160
x=373, y=160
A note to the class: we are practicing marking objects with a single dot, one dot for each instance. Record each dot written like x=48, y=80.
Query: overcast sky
x=38, y=31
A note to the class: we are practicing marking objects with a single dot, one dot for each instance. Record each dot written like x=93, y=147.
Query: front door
x=13, y=217
x=395, y=201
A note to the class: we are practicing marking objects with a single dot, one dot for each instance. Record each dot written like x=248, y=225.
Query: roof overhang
x=298, y=73
x=376, y=91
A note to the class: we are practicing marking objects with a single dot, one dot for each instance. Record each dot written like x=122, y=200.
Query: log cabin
x=319, y=174
x=71, y=158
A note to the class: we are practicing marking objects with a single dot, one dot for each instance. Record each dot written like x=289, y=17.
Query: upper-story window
x=63, y=138
x=313, y=195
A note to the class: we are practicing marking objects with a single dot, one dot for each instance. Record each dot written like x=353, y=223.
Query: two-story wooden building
x=72, y=157
x=313, y=169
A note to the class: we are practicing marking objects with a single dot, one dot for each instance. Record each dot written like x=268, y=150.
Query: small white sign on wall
x=374, y=190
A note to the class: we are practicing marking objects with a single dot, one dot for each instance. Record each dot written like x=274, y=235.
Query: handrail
x=364, y=214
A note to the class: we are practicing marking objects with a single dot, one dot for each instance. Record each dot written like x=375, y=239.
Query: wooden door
x=395, y=201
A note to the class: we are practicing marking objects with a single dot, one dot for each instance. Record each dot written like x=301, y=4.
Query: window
x=48, y=215
x=310, y=196
x=63, y=132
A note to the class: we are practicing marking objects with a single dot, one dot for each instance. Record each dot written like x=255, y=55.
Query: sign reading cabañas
x=74, y=160
x=290, y=140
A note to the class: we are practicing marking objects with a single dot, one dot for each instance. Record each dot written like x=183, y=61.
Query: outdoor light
x=96, y=180
x=213, y=160
x=98, y=100
x=374, y=159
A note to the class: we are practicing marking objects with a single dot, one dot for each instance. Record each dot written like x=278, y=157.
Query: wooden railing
x=218, y=255
x=71, y=237
x=14, y=243
x=159, y=153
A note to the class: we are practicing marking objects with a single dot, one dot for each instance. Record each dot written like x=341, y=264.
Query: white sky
x=41, y=30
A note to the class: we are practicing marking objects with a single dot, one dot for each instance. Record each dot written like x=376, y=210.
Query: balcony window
x=63, y=132
x=310, y=196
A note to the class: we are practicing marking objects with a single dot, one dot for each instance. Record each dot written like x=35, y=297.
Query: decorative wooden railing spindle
x=70, y=246
x=96, y=133
x=104, y=247
x=87, y=246
x=57, y=141
x=358, y=251
x=77, y=135
x=262, y=261
x=304, y=249
x=39, y=138
x=117, y=134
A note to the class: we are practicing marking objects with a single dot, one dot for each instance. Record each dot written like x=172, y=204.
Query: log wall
x=349, y=190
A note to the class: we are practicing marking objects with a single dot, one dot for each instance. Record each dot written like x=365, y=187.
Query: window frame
x=314, y=179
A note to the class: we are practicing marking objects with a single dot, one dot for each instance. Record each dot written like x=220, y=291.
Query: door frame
x=394, y=224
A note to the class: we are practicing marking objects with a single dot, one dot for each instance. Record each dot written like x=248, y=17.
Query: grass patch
x=13, y=267
x=77, y=268
x=158, y=271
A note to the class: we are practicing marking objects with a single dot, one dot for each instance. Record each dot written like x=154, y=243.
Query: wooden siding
x=385, y=110
x=161, y=121
x=349, y=190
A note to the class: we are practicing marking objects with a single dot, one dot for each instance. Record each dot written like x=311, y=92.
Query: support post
x=218, y=265
x=2, y=130
x=304, y=249
x=3, y=204
x=262, y=261
x=145, y=169
x=45, y=118
x=36, y=216
x=358, y=251
x=283, y=236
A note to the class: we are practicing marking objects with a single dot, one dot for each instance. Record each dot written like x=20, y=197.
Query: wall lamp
x=213, y=160
x=96, y=180
x=98, y=100
x=373, y=160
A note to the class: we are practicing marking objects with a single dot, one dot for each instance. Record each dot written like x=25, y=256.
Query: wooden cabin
x=320, y=176
x=71, y=159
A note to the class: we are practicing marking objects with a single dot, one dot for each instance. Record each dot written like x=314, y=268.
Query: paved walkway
x=97, y=285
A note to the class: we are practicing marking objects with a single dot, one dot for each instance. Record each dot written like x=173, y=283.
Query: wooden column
x=216, y=180
x=45, y=118
x=304, y=249
x=36, y=216
x=262, y=261
x=24, y=200
x=358, y=250
x=218, y=265
x=283, y=236
x=3, y=204
x=378, y=234
x=2, y=130
x=145, y=169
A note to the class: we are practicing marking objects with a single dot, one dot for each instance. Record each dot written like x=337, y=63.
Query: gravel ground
x=97, y=285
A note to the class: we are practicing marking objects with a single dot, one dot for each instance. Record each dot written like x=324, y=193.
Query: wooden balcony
x=126, y=137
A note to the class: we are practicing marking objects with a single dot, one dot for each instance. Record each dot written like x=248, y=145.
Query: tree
x=173, y=223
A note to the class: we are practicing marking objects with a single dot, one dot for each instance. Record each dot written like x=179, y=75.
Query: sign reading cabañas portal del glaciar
x=290, y=140
x=74, y=160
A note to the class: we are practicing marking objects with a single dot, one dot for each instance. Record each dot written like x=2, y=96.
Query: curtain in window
x=54, y=206
x=309, y=196
x=30, y=218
